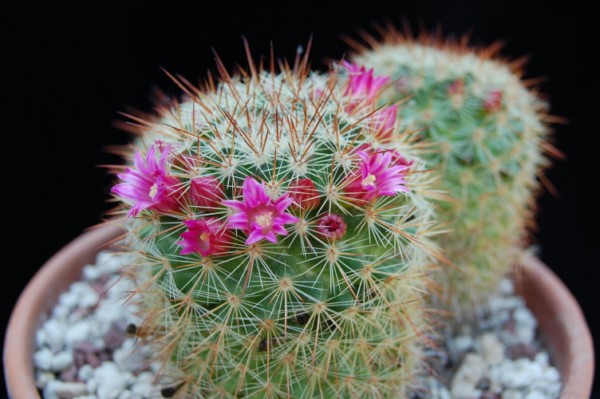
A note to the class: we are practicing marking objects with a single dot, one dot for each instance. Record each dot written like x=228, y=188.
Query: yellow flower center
x=264, y=219
x=204, y=236
x=369, y=180
x=153, y=191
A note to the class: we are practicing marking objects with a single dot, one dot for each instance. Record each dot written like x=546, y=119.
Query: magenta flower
x=148, y=184
x=204, y=236
x=380, y=174
x=362, y=85
x=384, y=122
x=206, y=191
x=332, y=226
x=258, y=215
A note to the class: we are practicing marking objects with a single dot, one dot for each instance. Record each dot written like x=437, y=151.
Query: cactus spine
x=488, y=139
x=282, y=229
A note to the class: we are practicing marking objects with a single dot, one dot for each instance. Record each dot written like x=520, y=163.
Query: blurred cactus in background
x=488, y=137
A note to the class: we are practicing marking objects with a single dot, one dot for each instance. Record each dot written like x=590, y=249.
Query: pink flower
x=493, y=101
x=206, y=191
x=258, y=215
x=149, y=184
x=384, y=122
x=362, y=85
x=204, y=236
x=380, y=174
x=304, y=194
x=332, y=226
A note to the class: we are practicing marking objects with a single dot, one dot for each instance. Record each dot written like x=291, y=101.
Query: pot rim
x=38, y=297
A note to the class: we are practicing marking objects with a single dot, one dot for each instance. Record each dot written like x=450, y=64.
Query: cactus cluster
x=282, y=225
x=488, y=137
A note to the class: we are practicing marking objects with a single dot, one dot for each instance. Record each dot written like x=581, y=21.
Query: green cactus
x=282, y=227
x=488, y=137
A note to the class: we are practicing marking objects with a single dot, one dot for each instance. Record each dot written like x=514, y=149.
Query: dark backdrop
x=69, y=71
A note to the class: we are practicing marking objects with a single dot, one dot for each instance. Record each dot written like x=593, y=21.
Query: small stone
x=519, y=374
x=61, y=361
x=491, y=348
x=466, y=377
x=523, y=316
x=462, y=343
x=91, y=384
x=88, y=297
x=87, y=397
x=78, y=332
x=506, y=287
x=464, y=391
x=115, y=336
x=512, y=394
x=542, y=358
x=535, y=394
x=54, y=332
x=128, y=395
x=85, y=372
x=43, y=359
x=69, y=374
x=437, y=390
x=111, y=381
x=85, y=346
x=550, y=374
x=518, y=351
x=92, y=359
x=91, y=272
x=69, y=390
x=43, y=378
x=50, y=390
x=143, y=385
x=489, y=395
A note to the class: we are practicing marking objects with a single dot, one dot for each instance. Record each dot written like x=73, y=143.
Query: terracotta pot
x=559, y=316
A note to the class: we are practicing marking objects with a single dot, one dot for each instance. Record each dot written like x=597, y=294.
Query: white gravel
x=83, y=351
x=499, y=356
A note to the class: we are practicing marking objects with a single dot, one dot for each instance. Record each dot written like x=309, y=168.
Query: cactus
x=488, y=137
x=282, y=229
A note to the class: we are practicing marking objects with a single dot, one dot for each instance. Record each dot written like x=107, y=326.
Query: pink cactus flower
x=332, y=226
x=363, y=86
x=258, y=215
x=384, y=122
x=205, y=236
x=206, y=191
x=148, y=184
x=380, y=174
x=304, y=194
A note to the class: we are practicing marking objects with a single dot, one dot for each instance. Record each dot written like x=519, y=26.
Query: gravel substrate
x=498, y=356
x=84, y=351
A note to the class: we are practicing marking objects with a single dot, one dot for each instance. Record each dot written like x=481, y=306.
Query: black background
x=68, y=71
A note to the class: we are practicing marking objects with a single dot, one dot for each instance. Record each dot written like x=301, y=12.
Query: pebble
x=83, y=350
x=491, y=348
x=69, y=390
x=496, y=357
